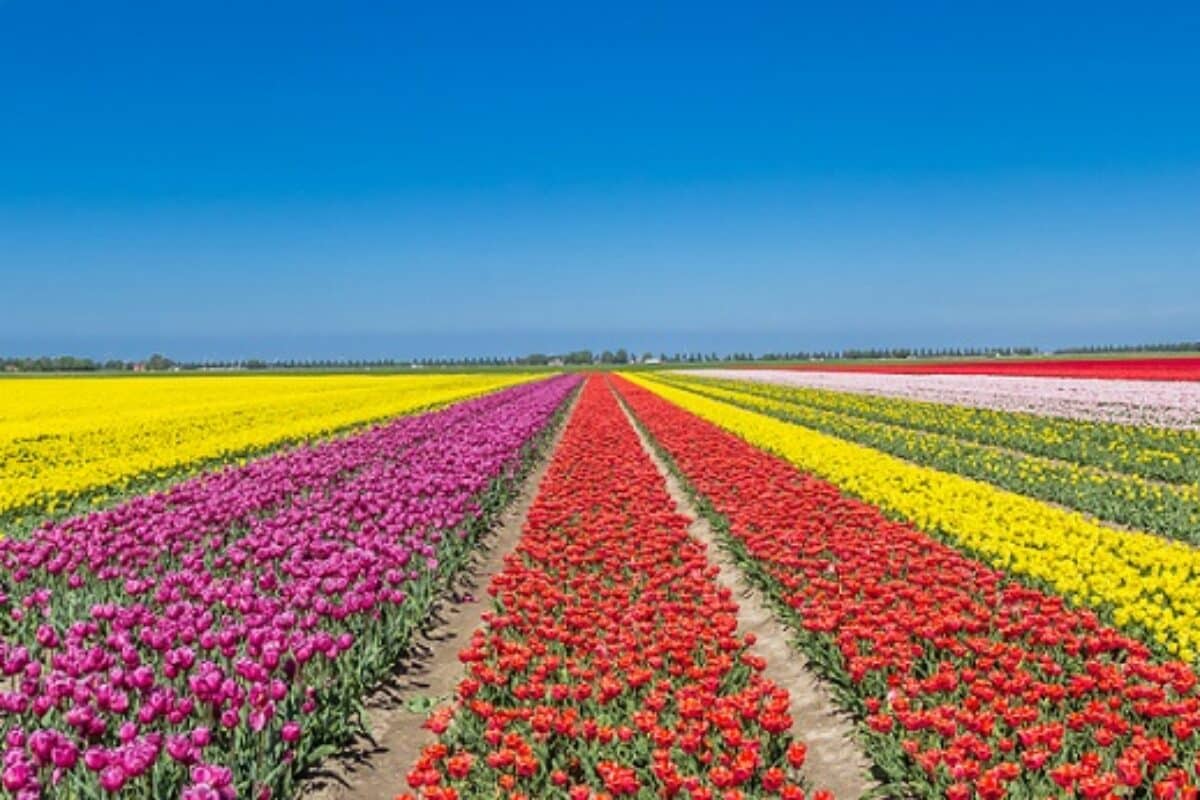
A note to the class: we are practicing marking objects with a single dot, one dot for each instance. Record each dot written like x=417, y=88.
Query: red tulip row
x=612, y=666
x=967, y=683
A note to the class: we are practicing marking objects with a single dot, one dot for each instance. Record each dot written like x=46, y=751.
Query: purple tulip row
x=214, y=639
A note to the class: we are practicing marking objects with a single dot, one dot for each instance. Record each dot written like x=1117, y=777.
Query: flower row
x=1145, y=582
x=1171, y=404
x=1168, y=509
x=216, y=638
x=1171, y=368
x=965, y=682
x=611, y=666
x=66, y=444
x=1157, y=453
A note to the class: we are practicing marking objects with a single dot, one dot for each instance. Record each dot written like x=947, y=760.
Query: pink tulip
x=1170, y=404
x=112, y=778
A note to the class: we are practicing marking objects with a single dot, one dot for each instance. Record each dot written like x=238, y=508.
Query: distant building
x=652, y=360
x=555, y=362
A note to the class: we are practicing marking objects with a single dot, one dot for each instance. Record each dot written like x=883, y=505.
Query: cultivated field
x=905, y=581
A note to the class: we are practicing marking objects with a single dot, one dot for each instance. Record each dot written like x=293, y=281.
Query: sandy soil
x=373, y=768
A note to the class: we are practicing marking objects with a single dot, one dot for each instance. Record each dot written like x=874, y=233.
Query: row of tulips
x=1167, y=509
x=1161, y=368
x=1163, y=454
x=68, y=446
x=611, y=666
x=1167, y=404
x=216, y=639
x=1145, y=584
x=966, y=683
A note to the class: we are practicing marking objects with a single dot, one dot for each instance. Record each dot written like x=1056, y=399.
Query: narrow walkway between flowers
x=835, y=761
x=374, y=768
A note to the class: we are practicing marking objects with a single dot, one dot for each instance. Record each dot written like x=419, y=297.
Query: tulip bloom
x=611, y=665
x=973, y=683
x=180, y=635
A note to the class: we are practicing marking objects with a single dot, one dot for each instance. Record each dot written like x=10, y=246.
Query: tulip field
x=992, y=577
x=1171, y=368
x=612, y=649
x=67, y=443
x=214, y=639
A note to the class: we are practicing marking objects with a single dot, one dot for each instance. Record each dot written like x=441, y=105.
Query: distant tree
x=159, y=362
x=578, y=357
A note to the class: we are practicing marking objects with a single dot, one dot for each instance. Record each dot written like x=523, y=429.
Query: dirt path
x=835, y=761
x=374, y=768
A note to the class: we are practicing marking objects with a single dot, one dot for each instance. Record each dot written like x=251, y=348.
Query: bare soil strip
x=835, y=760
x=373, y=767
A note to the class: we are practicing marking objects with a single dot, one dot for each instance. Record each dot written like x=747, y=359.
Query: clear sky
x=223, y=179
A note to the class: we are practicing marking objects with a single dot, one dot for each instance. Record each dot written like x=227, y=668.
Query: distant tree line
x=160, y=363
x=942, y=352
x=689, y=358
x=1168, y=347
x=155, y=363
x=875, y=353
x=53, y=364
x=61, y=364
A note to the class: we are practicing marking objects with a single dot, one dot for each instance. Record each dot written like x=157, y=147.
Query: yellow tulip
x=65, y=439
x=1131, y=573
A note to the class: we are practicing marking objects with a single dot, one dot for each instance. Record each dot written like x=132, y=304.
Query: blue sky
x=219, y=179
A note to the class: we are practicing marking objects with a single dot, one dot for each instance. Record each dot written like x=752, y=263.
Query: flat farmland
x=727, y=583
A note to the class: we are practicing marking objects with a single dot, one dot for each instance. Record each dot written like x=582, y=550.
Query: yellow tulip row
x=1148, y=584
x=63, y=439
x=1169, y=509
x=1153, y=453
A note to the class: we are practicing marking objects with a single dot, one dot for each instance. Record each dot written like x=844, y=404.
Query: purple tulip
x=65, y=755
x=238, y=589
x=200, y=791
x=112, y=778
x=41, y=744
x=291, y=732
x=17, y=776
x=95, y=759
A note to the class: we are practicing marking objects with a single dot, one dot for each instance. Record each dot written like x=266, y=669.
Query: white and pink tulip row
x=1171, y=404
